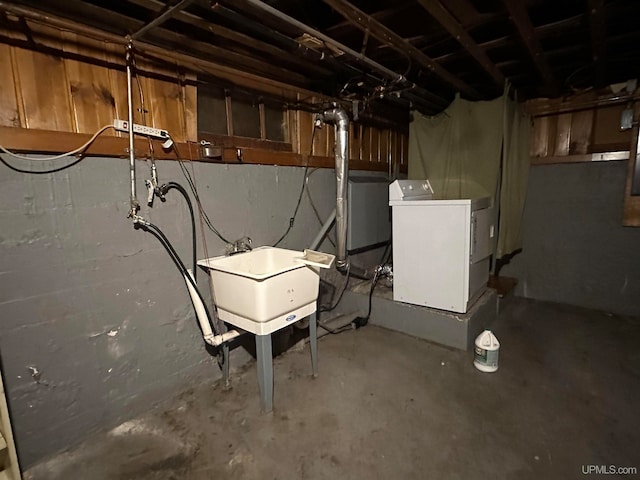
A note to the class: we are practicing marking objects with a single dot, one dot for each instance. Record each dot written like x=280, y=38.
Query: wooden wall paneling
x=190, y=107
x=41, y=83
x=581, y=132
x=384, y=146
x=405, y=149
x=305, y=130
x=607, y=135
x=118, y=81
x=164, y=101
x=93, y=104
x=320, y=140
x=366, y=143
x=563, y=134
x=393, y=146
x=292, y=134
x=331, y=141
x=540, y=137
x=9, y=114
x=375, y=144
x=355, y=139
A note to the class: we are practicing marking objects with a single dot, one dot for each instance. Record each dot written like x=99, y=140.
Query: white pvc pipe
x=203, y=320
x=225, y=337
x=201, y=313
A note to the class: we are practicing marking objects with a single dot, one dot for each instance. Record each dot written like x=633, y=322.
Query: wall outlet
x=123, y=126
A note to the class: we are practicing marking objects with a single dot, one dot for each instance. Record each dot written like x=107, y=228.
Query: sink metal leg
x=225, y=365
x=265, y=372
x=313, y=341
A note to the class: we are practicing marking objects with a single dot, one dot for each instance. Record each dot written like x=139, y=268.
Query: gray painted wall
x=97, y=307
x=576, y=250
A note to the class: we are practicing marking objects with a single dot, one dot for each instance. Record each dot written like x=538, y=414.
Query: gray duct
x=339, y=118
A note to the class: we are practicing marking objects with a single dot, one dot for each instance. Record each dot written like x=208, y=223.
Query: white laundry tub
x=267, y=288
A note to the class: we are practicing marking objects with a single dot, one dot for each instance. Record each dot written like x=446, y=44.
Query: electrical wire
x=362, y=321
x=312, y=203
x=334, y=304
x=80, y=150
x=302, y=188
x=194, y=190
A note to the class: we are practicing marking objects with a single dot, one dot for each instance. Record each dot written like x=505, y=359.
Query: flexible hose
x=155, y=231
x=362, y=321
x=183, y=191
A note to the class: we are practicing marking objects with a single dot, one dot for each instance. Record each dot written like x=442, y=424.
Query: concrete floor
x=390, y=406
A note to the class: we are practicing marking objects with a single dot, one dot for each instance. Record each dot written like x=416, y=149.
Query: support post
x=313, y=342
x=265, y=372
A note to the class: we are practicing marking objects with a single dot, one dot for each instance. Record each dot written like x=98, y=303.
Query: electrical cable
x=193, y=189
x=80, y=150
x=302, y=188
x=334, y=304
x=313, y=205
x=362, y=321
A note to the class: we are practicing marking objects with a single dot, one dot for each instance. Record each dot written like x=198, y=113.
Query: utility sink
x=267, y=288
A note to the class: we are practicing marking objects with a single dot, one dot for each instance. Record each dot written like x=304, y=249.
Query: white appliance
x=441, y=248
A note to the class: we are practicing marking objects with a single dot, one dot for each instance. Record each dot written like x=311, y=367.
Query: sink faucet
x=239, y=246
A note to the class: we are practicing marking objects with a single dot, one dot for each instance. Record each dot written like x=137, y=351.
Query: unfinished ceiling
x=417, y=51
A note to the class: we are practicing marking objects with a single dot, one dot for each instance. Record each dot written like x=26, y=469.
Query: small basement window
x=224, y=112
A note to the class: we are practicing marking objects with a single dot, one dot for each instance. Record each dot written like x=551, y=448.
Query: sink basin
x=267, y=288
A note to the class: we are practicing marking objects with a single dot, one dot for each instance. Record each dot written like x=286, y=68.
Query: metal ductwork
x=340, y=119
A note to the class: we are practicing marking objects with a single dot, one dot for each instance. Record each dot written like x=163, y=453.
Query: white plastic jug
x=485, y=356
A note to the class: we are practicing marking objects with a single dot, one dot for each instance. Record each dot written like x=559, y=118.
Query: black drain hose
x=156, y=232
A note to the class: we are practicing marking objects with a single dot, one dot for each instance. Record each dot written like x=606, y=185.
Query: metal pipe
x=134, y=205
x=170, y=12
x=339, y=118
x=325, y=38
x=381, y=69
x=323, y=231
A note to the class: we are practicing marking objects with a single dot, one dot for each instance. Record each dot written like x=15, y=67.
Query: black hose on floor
x=362, y=321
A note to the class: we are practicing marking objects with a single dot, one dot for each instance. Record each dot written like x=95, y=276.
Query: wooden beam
x=387, y=36
x=339, y=29
x=188, y=61
x=448, y=21
x=258, y=46
x=596, y=25
x=49, y=142
x=166, y=14
x=518, y=13
x=172, y=41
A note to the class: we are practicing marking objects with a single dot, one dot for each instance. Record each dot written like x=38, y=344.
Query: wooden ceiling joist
x=449, y=22
x=236, y=37
x=518, y=13
x=596, y=25
x=385, y=35
x=162, y=17
x=172, y=41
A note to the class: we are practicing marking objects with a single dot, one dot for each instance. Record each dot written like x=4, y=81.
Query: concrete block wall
x=95, y=321
x=576, y=250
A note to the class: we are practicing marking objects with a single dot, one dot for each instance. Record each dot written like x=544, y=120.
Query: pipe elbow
x=338, y=116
